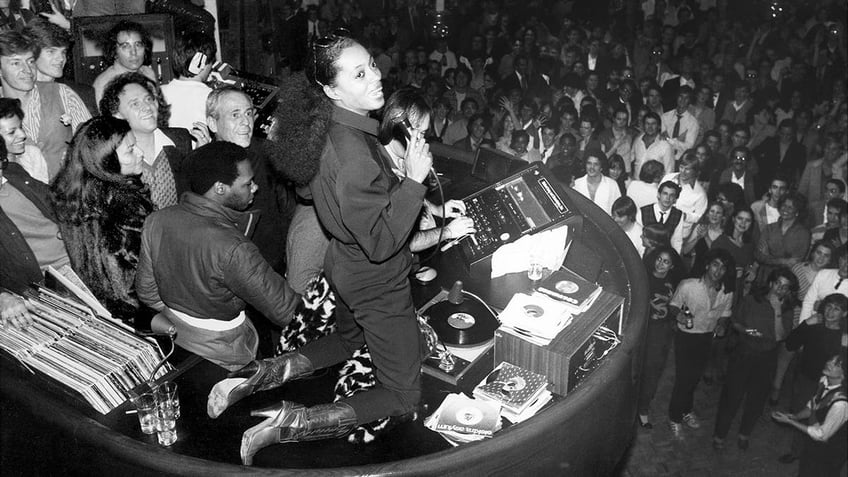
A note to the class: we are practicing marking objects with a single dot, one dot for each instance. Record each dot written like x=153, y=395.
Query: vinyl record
x=467, y=324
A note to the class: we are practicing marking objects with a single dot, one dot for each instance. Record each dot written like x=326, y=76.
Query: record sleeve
x=515, y=388
x=536, y=315
x=464, y=415
x=571, y=288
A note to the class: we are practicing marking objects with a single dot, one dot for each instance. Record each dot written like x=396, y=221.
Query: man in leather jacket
x=199, y=268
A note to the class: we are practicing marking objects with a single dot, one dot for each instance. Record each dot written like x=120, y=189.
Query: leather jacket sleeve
x=253, y=280
x=145, y=283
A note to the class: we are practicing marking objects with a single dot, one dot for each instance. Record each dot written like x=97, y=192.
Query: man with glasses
x=738, y=172
x=52, y=111
x=128, y=48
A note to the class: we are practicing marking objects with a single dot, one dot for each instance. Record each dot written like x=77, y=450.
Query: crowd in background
x=713, y=132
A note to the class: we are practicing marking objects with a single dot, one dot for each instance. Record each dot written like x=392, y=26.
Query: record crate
x=572, y=348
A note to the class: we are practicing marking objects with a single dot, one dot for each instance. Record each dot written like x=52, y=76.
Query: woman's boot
x=261, y=375
x=295, y=422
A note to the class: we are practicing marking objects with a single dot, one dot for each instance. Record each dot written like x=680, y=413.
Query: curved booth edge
x=586, y=433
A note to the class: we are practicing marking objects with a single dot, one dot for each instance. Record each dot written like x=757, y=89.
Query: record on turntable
x=467, y=324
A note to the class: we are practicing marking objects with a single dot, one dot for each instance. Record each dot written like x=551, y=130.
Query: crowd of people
x=713, y=132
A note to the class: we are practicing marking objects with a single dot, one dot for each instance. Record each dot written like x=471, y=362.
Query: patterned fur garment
x=313, y=319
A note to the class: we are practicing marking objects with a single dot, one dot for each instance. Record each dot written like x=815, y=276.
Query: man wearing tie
x=679, y=126
x=665, y=213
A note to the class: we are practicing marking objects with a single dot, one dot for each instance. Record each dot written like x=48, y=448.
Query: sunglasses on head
x=334, y=36
x=325, y=42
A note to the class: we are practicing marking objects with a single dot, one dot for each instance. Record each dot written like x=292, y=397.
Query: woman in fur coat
x=101, y=204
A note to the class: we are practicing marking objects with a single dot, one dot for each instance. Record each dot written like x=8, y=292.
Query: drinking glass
x=167, y=393
x=535, y=269
x=145, y=406
x=166, y=423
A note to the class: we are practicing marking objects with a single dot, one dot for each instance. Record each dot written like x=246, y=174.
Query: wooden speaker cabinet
x=573, y=347
x=90, y=33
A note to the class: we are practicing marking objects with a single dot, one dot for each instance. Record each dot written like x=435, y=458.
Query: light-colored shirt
x=33, y=161
x=687, y=133
x=692, y=201
x=659, y=150
x=823, y=285
x=188, y=102
x=705, y=312
x=635, y=236
x=676, y=236
x=642, y=193
x=836, y=417
x=605, y=194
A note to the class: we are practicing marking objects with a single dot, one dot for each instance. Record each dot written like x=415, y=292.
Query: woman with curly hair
x=101, y=204
x=138, y=100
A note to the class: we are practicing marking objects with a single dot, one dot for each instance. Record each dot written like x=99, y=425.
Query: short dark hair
x=741, y=149
x=110, y=43
x=651, y=171
x=15, y=43
x=469, y=100
x=404, y=104
x=839, y=183
x=47, y=35
x=670, y=185
x=689, y=159
x=11, y=107
x=517, y=134
x=187, y=46
x=321, y=62
x=652, y=115
x=474, y=117
x=624, y=207
x=798, y=200
x=598, y=154
x=836, y=203
x=214, y=162
x=725, y=258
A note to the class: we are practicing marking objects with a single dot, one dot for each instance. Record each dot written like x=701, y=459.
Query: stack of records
x=520, y=393
x=576, y=292
x=92, y=356
x=535, y=318
x=461, y=419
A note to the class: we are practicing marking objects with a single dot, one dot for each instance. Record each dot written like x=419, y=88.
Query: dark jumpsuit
x=370, y=216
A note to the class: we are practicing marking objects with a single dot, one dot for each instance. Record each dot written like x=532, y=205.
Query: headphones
x=198, y=63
